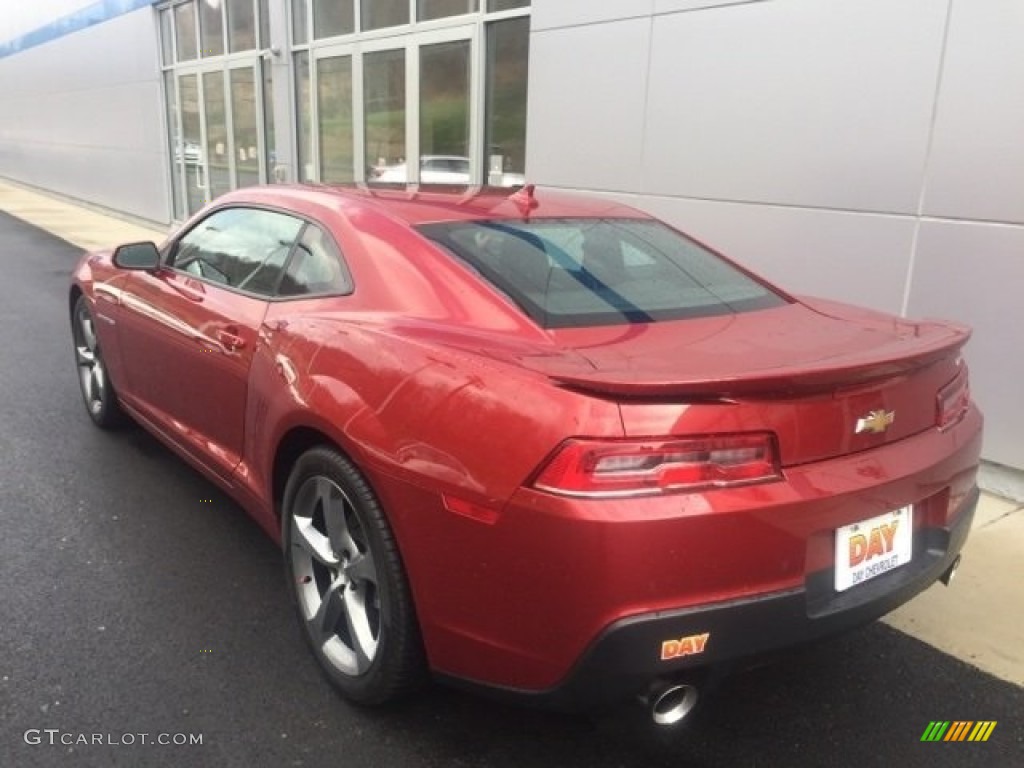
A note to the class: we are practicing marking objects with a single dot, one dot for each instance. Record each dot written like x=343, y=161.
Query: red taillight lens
x=632, y=468
x=953, y=401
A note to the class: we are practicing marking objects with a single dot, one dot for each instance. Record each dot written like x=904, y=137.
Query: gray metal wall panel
x=977, y=164
x=779, y=103
x=595, y=135
x=975, y=272
x=83, y=116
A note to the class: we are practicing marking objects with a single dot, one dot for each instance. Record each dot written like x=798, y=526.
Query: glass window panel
x=211, y=27
x=264, y=23
x=508, y=45
x=444, y=113
x=384, y=108
x=178, y=154
x=192, y=142
x=506, y=5
x=304, y=127
x=241, y=25
x=244, y=248
x=333, y=17
x=334, y=106
x=437, y=9
x=185, y=31
x=587, y=272
x=300, y=22
x=377, y=14
x=268, y=118
x=316, y=267
x=244, y=127
x=166, y=38
x=218, y=151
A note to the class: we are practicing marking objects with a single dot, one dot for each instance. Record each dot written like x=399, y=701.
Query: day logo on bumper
x=684, y=646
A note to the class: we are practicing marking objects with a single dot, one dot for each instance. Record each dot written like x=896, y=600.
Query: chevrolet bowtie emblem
x=875, y=422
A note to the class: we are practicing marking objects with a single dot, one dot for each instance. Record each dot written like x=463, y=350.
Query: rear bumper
x=625, y=660
x=569, y=603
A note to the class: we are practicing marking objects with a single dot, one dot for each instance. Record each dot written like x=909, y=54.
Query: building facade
x=866, y=151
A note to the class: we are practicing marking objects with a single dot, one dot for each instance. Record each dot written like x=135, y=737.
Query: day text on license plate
x=873, y=547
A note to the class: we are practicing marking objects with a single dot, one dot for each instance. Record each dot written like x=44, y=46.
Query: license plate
x=872, y=547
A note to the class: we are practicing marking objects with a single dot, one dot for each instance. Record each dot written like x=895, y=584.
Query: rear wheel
x=94, y=383
x=348, y=582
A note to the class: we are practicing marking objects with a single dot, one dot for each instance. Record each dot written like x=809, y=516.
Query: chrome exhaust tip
x=671, y=704
x=950, y=574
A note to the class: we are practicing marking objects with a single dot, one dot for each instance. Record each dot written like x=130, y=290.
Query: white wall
x=82, y=115
x=868, y=151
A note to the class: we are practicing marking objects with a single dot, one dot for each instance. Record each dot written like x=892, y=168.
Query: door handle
x=230, y=341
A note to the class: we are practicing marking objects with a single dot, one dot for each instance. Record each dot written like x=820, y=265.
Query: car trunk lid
x=826, y=379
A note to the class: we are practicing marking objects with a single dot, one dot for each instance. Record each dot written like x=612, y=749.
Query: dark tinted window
x=580, y=272
x=316, y=266
x=243, y=248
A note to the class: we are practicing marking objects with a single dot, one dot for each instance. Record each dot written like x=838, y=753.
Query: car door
x=188, y=332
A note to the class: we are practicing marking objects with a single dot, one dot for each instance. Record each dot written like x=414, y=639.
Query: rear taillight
x=642, y=467
x=953, y=401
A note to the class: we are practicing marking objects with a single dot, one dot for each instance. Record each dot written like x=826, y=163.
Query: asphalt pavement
x=135, y=598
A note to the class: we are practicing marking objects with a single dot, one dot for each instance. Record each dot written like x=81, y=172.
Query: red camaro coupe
x=540, y=444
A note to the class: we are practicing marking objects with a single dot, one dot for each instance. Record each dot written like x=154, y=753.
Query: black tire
x=94, y=382
x=347, y=581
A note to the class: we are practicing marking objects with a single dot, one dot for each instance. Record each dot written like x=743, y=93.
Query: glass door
x=446, y=141
x=189, y=158
x=397, y=109
x=246, y=141
x=218, y=155
x=335, y=134
x=219, y=145
x=421, y=107
x=385, y=138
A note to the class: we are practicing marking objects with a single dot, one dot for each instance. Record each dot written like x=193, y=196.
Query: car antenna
x=524, y=198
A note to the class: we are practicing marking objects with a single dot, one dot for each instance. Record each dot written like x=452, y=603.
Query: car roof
x=434, y=204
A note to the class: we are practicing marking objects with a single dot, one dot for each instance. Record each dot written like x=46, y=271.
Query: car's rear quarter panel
x=424, y=422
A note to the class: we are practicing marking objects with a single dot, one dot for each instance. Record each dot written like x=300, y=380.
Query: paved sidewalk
x=979, y=618
x=83, y=226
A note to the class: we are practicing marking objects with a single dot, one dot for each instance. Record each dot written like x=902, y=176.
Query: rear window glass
x=584, y=272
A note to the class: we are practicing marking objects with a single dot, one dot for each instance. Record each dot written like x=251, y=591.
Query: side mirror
x=143, y=256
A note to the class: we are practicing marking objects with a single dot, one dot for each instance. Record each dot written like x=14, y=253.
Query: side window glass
x=241, y=248
x=316, y=266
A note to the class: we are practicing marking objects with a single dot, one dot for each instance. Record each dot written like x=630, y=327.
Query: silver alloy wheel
x=335, y=575
x=91, y=374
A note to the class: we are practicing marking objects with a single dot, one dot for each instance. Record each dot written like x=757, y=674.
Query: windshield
x=584, y=272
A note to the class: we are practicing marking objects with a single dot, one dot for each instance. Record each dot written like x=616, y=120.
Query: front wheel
x=347, y=579
x=97, y=390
